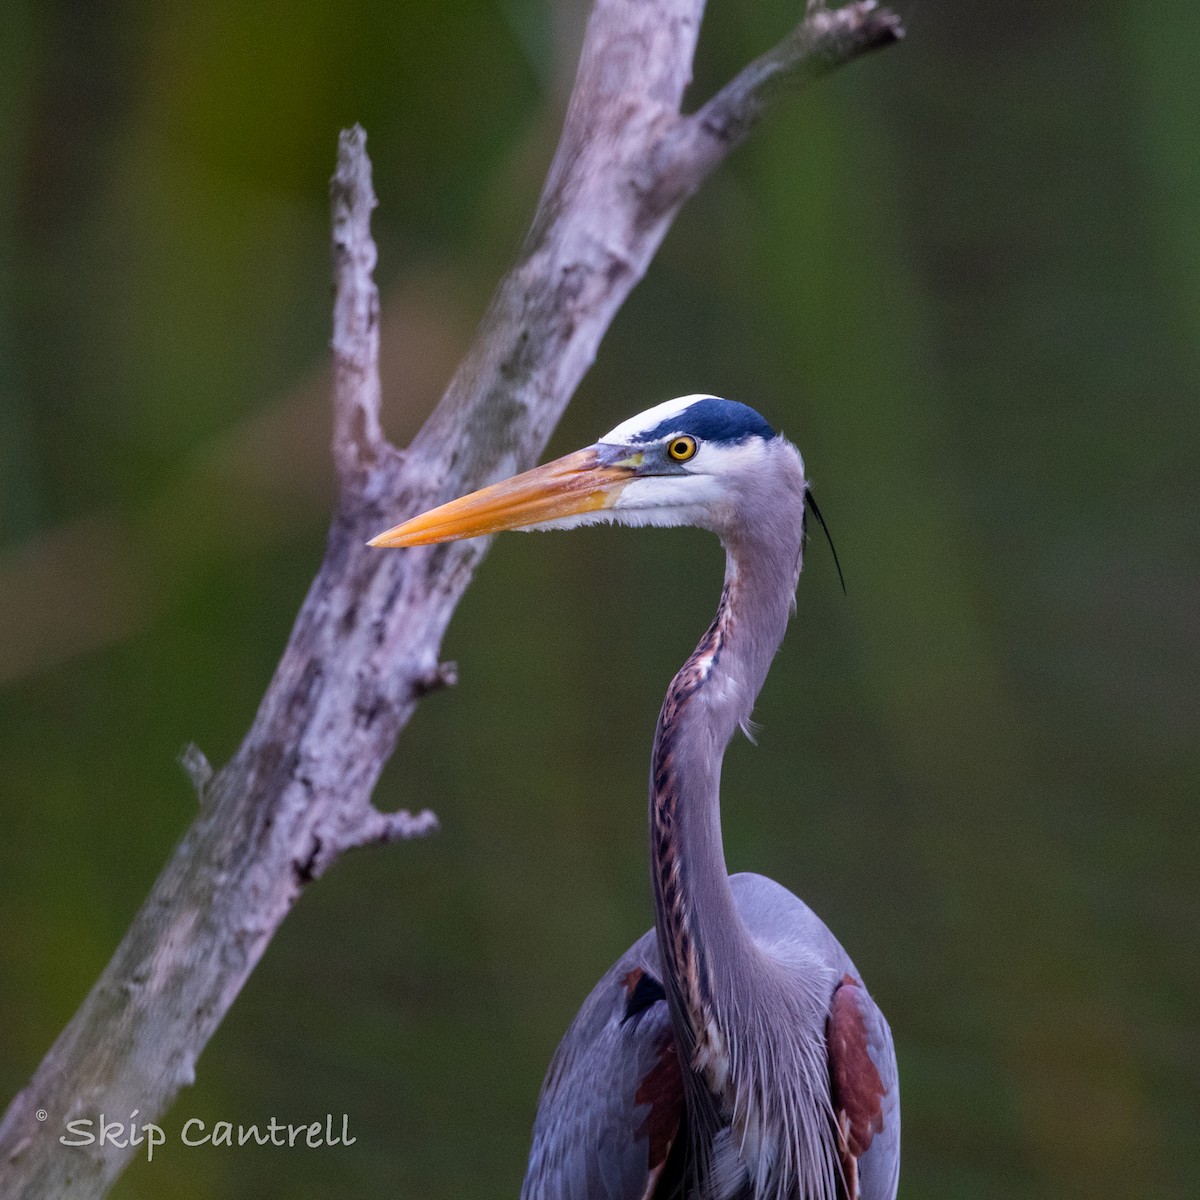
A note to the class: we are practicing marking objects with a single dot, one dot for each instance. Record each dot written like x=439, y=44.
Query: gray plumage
x=733, y=1053
x=586, y=1140
x=749, y=972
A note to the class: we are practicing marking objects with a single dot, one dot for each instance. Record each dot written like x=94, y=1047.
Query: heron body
x=733, y=1051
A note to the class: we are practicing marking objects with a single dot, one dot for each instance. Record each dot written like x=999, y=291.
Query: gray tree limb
x=364, y=648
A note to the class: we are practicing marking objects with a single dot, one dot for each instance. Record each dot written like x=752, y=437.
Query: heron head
x=696, y=460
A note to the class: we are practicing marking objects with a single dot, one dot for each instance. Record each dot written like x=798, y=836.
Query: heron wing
x=865, y=1093
x=611, y=1106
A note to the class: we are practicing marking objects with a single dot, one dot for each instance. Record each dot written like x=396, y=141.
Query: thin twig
x=197, y=768
x=824, y=40
x=358, y=440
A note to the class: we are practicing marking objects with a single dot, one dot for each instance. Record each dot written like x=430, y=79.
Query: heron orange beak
x=577, y=483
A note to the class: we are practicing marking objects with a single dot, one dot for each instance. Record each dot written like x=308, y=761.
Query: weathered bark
x=364, y=648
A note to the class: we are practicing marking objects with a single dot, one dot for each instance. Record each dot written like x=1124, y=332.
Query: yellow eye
x=681, y=448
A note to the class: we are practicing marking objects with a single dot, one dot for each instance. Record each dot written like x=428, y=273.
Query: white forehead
x=651, y=418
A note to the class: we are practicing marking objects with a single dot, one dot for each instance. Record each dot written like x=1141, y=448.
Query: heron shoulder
x=785, y=928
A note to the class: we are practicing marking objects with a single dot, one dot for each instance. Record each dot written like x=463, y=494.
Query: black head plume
x=811, y=503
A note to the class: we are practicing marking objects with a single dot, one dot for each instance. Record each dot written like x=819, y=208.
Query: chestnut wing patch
x=662, y=1089
x=855, y=1086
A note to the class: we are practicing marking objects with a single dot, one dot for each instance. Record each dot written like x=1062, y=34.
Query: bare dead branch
x=824, y=40
x=444, y=675
x=364, y=648
x=380, y=828
x=358, y=441
x=197, y=768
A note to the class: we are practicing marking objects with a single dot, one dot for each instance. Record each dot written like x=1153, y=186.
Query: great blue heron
x=733, y=1051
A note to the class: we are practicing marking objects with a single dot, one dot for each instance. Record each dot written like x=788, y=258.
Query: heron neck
x=705, y=946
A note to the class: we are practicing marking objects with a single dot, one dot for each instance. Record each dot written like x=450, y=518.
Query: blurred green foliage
x=963, y=275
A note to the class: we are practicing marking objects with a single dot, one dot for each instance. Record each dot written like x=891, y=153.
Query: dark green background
x=963, y=275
